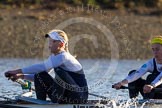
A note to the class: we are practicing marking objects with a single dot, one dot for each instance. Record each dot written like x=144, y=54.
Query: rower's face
x=54, y=45
x=157, y=50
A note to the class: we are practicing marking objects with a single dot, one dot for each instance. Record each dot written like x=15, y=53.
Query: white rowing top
x=63, y=60
x=147, y=67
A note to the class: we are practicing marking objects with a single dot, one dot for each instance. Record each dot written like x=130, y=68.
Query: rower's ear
x=61, y=44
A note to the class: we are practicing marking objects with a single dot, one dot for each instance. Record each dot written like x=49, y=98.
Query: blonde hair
x=64, y=36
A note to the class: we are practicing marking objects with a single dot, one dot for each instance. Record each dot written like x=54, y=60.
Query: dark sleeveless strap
x=76, y=72
x=155, y=68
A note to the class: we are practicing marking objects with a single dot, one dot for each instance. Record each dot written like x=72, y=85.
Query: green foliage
x=96, y=3
x=91, y=2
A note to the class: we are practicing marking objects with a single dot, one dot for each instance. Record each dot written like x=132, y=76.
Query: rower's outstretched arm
x=120, y=84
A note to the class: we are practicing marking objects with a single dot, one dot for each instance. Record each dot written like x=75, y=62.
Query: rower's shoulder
x=148, y=63
x=150, y=60
x=67, y=55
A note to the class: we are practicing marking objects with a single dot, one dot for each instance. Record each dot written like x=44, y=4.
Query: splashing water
x=130, y=103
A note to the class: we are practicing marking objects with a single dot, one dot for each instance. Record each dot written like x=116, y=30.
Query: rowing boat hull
x=55, y=106
x=27, y=102
x=152, y=102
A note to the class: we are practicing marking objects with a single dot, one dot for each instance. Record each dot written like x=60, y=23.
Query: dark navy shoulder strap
x=155, y=68
x=76, y=72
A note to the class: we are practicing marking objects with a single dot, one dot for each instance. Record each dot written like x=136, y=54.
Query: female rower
x=69, y=84
x=154, y=80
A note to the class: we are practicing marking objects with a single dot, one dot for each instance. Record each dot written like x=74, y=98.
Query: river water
x=100, y=74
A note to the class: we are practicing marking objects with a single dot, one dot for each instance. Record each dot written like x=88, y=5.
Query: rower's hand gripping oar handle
x=24, y=84
x=122, y=87
x=7, y=75
x=10, y=77
x=154, y=89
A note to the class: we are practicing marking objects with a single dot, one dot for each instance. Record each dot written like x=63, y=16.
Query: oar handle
x=21, y=82
x=10, y=77
x=24, y=85
x=122, y=87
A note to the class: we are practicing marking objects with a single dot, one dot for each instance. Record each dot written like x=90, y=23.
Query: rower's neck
x=159, y=61
x=59, y=52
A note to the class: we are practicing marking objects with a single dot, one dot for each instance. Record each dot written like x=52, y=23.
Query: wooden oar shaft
x=23, y=83
x=157, y=89
x=103, y=97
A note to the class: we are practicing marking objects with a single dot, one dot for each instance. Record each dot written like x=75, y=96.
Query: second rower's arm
x=133, y=76
x=157, y=81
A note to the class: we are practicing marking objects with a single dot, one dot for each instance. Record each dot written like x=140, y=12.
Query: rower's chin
x=156, y=56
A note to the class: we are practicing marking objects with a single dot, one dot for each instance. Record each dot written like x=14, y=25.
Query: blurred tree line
x=111, y=4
